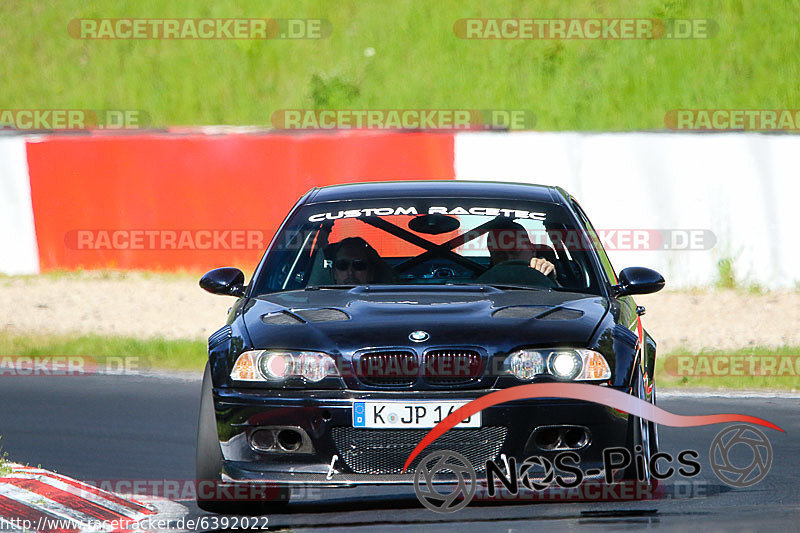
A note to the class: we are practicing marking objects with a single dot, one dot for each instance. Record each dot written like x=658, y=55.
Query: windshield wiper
x=501, y=286
x=447, y=284
x=515, y=287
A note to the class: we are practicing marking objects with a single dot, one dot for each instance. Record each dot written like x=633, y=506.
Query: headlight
x=525, y=364
x=277, y=365
x=563, y=364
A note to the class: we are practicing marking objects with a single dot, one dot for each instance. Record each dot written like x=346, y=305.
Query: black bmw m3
x=380, y=308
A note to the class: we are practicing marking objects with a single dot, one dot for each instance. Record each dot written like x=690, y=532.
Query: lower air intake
x=384, y=451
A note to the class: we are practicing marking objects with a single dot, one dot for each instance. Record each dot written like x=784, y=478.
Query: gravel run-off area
x=174, y=307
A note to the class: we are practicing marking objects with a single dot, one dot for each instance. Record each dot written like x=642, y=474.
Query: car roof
x=436, y=188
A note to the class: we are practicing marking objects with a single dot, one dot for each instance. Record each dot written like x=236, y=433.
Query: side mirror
x=226, y=281
x=638, y=280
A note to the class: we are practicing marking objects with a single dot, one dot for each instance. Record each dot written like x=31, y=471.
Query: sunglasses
x=344, y=264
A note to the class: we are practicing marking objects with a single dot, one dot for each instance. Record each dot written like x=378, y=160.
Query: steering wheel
x=515, y=272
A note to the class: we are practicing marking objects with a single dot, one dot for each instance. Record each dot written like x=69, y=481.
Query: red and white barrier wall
x=78, y=189
x=741, y=187
x=19, y=252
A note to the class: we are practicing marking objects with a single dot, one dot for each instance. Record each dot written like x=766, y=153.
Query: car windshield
x=415, y=241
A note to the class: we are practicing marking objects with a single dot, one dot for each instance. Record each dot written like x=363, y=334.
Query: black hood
x=341, y=321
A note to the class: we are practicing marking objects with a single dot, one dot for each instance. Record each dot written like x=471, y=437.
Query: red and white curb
x=37, y=500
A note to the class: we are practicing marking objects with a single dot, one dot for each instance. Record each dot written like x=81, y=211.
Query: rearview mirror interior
x=434, y=224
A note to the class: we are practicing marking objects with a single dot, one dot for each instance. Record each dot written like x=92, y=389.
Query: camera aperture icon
x=464, y=483
x=724, y=459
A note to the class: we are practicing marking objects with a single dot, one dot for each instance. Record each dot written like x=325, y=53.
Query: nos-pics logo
x=445, y=481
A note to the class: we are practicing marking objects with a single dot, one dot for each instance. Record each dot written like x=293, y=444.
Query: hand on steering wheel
x=542, y=265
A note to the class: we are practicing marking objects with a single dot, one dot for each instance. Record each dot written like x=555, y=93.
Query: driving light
x=563, y=364
x=274, y=365
x=525, y=364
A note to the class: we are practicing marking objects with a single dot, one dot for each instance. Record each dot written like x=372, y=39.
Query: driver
x=510, y=242
x=354, y=262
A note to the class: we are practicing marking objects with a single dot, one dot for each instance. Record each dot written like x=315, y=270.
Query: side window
x=601, y=253
x=299, y=249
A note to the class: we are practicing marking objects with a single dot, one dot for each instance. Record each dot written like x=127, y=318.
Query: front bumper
x=376, y=456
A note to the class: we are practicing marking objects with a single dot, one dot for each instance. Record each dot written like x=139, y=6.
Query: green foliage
x=402, y=54
x=146, y=353
x=726, y=276
x=191, y=355
x=5, y=469
x=665, y=379
x=334, y=93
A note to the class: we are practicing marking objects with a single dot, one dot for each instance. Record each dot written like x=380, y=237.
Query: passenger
x=512, y=243
x=354, y=262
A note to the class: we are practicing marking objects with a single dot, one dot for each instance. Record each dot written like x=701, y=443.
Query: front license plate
x=407, y=415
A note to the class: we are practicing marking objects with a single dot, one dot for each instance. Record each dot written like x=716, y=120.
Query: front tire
x=208, y=464
x=644, y=436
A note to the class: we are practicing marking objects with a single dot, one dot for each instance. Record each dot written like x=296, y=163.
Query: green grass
x=417, y=63
x=4, y=468
x=191, y=355
x=143, y=354
x=727, y=279
x=783, y=382
x=726, y=276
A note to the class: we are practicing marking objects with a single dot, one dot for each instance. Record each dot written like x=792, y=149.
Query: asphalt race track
x=134, y=427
